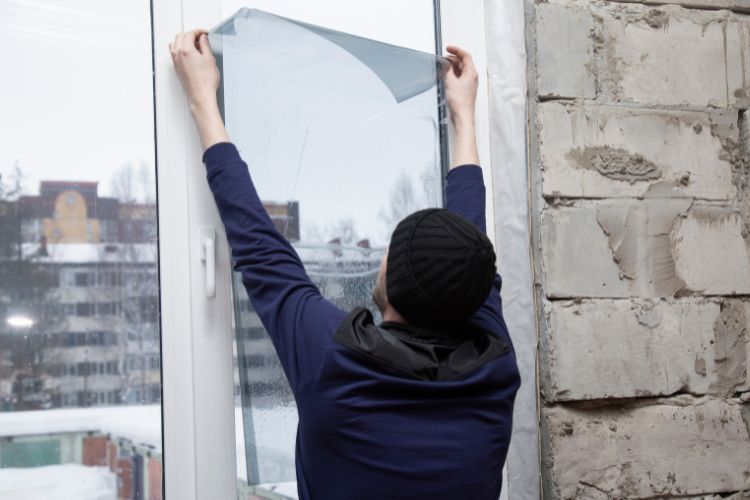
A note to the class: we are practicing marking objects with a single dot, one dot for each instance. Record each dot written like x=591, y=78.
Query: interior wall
x=638, y=162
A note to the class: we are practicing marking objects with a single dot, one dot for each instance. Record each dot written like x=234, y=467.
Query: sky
x=76, y=95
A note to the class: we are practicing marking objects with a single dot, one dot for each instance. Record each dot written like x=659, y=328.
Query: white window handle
x=208, y=256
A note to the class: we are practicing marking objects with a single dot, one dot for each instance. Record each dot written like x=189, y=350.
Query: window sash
x=198, y=409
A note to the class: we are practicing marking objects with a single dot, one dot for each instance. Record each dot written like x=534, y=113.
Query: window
x=107, y=279
x=85, y=309
x=310, y=124
x=154, y=362
x=122, y=29
x=85, y=279
x=80, y=338
x=77, y=163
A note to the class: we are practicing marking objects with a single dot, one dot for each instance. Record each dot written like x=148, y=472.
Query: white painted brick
x=738, y=60
x=599, y=349
x=662, y=56
x=710, y=254
x=576, y=257
x=564, y=51
x=735, y=496
x=620, y=349
x=737, y=5
x=682, y=446
x=666, y=56
x=732, y=349
x=613, y=151
x=649, y=248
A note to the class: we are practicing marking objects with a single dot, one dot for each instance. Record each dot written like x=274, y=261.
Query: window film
x=80, y=359
x=342, y=135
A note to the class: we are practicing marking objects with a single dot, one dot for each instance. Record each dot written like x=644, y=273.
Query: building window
x=85, y=309
x=154, y=362
x=107, y=279
x=85, y=279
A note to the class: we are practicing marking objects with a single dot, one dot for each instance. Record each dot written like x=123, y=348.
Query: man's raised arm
x=465, y=193
x=299, y=320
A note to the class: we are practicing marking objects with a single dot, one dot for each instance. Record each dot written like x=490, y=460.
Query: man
x=419, y=406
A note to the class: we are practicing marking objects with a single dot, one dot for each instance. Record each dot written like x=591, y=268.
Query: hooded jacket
x=386, y=411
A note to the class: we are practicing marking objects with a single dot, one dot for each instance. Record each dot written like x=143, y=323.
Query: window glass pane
x=342, y=135
x=78, y=253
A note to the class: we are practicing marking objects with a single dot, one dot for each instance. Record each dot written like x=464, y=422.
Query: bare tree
x=24, y=289
x=147, y=182
x=405, y=198
x=345, y=230
x=402, y=201
x=131, y=184
x=134, y=187
x=122, y=184
x=12, y=188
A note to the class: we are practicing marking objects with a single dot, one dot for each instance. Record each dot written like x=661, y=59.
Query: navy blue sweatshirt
x=386, y=411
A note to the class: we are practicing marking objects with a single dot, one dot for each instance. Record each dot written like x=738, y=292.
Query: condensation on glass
x=80, y=361
x=342, y=135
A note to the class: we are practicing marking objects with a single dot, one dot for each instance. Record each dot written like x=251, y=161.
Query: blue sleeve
x=299, y=320
x=465, y=195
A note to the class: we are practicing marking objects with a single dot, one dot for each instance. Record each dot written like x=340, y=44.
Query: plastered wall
x=640, y=225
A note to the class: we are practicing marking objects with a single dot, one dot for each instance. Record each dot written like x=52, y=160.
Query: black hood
x=418, y=352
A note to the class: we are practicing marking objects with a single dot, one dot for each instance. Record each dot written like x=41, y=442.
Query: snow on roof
x=324, y=252
x=140, y=424
x=86, y=253
x=274, y=438
x=147, y=253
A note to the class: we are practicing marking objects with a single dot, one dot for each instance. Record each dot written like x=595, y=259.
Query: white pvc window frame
x=198, y=379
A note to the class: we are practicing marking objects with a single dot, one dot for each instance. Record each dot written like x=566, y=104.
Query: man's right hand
x=461, y=93
x=196, y=67
x=461, y=85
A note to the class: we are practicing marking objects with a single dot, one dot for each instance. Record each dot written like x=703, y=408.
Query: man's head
x=438, y=270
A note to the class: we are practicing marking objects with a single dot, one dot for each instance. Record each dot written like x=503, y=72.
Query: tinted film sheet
x=342, y=138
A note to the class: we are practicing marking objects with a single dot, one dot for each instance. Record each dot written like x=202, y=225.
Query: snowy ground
x=274, y=442
x=288, y=489
x=140, y=424
x=58, y=482
x=274, y=438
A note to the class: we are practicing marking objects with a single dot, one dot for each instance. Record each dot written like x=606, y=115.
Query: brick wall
x=639, y=173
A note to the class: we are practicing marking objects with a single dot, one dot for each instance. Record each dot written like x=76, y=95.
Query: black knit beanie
x=440, y=269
